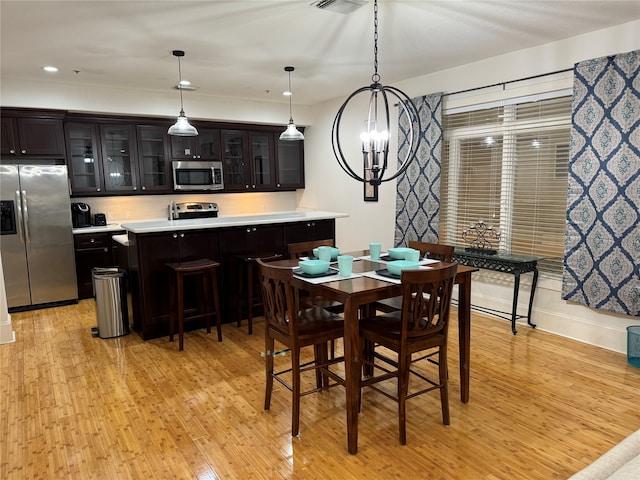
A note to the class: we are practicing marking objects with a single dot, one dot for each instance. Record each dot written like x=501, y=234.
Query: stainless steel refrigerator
x=36, y=240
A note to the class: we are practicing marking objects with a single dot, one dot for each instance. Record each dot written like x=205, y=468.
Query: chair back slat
x=281, y=299
x=426, y=300
x=435, y=251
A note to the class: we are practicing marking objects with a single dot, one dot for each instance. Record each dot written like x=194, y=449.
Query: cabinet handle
x=106, y=249
x=253, y=229
x=24, y=151
x=246, y=186
x=136, y=188
x=308, y=224
x=175, y=235
x=97, y=189
x=182, y=235
x=144, y=188
x=278, y=185
x=92, y=240
x=248, y=230
x=12, y=151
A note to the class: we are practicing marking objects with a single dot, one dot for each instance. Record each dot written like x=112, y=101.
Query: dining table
x=361, y=289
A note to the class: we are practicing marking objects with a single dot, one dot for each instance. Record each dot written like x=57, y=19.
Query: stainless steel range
x=186, y=210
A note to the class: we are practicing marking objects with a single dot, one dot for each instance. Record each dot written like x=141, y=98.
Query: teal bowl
x=399, y=252
x=334, y=253
x=397, y=266
x=314, y=267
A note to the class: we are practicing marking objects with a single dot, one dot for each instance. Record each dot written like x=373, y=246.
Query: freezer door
x=12, y=246
x=48, y=235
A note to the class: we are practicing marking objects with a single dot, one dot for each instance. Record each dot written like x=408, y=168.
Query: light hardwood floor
x=73, y=406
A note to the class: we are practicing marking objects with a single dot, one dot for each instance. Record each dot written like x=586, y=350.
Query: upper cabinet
x=289, y=164
x=205, y=146
x=84, y=159
x=153, y=162
x=39, y=135
x=119, y=158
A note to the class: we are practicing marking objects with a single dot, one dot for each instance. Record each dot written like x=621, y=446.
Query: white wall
x=327, y=185
x=328, y=188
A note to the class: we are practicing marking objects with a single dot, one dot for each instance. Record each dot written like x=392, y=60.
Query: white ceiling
x=239, y=48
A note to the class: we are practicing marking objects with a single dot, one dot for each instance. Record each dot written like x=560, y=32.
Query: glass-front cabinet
x=234, y=152
x=118, y=158
x=261, y=154
x=204, y=146
x=153, y=165
x=84, y=158
x=290, y=164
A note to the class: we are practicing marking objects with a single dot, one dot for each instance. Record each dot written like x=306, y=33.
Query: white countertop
x=110, y=227
x=227, y=221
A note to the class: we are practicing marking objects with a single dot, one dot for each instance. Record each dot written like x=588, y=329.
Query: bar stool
x=207, y=271
x=248, y=266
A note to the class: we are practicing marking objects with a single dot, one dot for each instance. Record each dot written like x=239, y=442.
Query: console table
x=512, y=263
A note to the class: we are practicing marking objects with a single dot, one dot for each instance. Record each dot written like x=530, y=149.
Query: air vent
x=340, y=6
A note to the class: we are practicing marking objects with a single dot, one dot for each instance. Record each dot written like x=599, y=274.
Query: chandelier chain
x=375, y=77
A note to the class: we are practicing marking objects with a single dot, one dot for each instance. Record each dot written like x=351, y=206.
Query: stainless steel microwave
x=197, y=175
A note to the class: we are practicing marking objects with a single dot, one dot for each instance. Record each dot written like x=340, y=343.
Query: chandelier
x=375, y=136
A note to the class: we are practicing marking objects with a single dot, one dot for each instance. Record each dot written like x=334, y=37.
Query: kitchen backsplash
x=154, y=207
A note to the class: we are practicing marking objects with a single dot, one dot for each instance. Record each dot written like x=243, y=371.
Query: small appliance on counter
x=99, y=219
x=80, y=215
x=181, y=211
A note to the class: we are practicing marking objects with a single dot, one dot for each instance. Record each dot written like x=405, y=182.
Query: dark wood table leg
x=352, y=373
x=464, y=333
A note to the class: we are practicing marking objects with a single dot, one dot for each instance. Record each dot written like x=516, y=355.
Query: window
x=507, y=166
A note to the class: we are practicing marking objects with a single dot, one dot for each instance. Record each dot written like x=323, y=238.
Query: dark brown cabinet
x=249, y=160
x=154, y=172
x=31, y=137
x=249, y=240
x=119, y=158
x=150, y=277
x=309, y=230
x=91, y=250
x=289, y=164
x=84, y=159
x=205, y=146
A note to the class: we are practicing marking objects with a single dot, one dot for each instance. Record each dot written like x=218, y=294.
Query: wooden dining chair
x=296, y=327
x=421, y=325
x=305, y=249
x=434, y=251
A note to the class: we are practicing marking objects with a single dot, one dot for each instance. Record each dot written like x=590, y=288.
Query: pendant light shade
x=374, y=138
x=291, y=133
x=182, y=127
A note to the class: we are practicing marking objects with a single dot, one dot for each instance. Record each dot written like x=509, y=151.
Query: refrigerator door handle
x=25, y=212
x=19, y=215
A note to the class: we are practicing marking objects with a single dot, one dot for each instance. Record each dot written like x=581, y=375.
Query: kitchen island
x=153, y=244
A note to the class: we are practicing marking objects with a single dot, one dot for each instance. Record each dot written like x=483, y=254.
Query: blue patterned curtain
x=418, y=190
x=602, y=244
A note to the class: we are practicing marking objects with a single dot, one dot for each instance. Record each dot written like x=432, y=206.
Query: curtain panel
x=418, y=189
x=602, y=237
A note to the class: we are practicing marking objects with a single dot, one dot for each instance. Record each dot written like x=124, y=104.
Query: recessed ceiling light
x=287, y=93
x=50, y=69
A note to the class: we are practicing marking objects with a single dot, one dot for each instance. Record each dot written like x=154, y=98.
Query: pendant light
x=291, y=133
x=182, y=127
x=375, y=137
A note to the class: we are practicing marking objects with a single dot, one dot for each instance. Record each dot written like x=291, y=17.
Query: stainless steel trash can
x=111, y=301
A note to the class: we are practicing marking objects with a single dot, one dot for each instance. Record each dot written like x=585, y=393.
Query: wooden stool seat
x=207, y=270
x=248, y=265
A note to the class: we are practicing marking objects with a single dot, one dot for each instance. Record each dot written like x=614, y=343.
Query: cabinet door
x=91, y=250
x=289, y=164
x=153, y=164
x=261, y=155
x=118, y=158
x=32, y=137
x=309, y=230
x=204, y=146
x=84, y=158
x=235, y=153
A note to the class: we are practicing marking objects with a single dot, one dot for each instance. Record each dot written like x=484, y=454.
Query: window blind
x=507, y=166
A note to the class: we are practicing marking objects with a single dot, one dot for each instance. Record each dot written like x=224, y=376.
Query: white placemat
x=328, y=278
